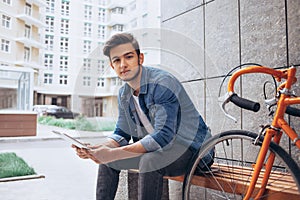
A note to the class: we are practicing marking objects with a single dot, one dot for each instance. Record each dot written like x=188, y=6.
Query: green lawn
x=12, y=165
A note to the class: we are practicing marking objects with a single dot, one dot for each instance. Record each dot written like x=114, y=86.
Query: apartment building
x=21, y=47
x=76, y=74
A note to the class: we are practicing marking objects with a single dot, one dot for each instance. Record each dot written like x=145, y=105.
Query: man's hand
x=110, y=151
x=85, y=153
x=82, y=153
x=102, y=154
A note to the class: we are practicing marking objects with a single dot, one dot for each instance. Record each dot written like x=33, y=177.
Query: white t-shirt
x=143, y=117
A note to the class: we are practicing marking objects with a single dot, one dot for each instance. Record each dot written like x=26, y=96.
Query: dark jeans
x=152, y=167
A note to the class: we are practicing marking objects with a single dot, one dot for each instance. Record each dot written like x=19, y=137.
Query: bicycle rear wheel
x=235, y=154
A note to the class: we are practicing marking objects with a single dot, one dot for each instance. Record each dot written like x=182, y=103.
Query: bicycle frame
x=278, y=126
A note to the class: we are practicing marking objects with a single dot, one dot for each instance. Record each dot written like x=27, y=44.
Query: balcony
x=29, y=64
x=116, y=18
x=28, y=19
x=30, y=42
x=115, y=4
x=40, y=3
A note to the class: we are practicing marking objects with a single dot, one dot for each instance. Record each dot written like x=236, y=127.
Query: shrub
x=80, y=123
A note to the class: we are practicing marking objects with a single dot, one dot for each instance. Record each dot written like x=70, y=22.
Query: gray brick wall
x=205, y=39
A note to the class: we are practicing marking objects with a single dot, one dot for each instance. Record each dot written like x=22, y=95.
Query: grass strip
x=12, y=165
x=80, y=123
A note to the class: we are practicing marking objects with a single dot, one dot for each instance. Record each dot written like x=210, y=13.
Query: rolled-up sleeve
x=149, y=143
x=119, y=139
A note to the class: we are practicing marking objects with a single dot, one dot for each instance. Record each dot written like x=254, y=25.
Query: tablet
x=71, y=140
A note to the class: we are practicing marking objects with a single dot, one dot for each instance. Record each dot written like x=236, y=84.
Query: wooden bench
x=285, y=188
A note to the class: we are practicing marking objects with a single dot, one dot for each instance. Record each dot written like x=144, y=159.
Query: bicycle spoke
x=232, y=170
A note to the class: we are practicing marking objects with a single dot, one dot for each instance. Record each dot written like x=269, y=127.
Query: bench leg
x=132, y=179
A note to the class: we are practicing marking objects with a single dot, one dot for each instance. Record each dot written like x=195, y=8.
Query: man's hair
x=118, y=39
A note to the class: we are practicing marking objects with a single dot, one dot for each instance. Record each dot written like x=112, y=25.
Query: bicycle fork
x=260, y=163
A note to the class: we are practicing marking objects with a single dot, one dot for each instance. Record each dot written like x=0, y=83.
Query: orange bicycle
x=249, y=165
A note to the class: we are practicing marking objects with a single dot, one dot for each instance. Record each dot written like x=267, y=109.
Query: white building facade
x=20, y=53
x=76, y=74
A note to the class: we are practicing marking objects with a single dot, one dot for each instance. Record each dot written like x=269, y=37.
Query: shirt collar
x=144, y=83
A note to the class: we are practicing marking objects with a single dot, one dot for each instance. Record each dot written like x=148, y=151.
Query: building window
x=48, y=78
x=133, y=6
x=133, y=23
x=86, y=81
x=100, y=82
x=63, y=79
x=101, y=32
x=28, y=9
x=145, y=20
x=87, y=29
x=65, y=8
x=117, y=10
x=101, y=15
x=27, y=31
x=6, y=21
x=144, y=5
x=48, y=61
x=5, y=45
x=63, y=63
x=26, y=54
x=87, y=12
x=118, y=27
x=102, y=2
x=87, y=46
x=100, y=66
x=87, y=64
x=116, y=82
x=64, y=26
x=50, y=24
x=64, y=44
x=50, y=6
x=7, y=2
x=105, y=105
x=49, y=42
x=100, y=43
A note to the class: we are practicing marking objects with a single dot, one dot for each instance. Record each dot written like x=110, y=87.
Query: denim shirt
x=167, y=106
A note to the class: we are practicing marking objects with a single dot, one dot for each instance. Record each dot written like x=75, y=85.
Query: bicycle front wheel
x=229, y=177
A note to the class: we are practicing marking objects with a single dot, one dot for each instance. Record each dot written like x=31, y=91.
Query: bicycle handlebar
x=293, y=111
x=244, y=103
x=231, y=96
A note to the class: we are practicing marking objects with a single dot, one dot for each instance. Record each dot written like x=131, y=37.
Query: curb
x=49, y=138
x=16, y=140
x=21, y=178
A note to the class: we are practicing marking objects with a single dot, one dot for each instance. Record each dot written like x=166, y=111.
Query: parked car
x=41, y=109
x=61, y=112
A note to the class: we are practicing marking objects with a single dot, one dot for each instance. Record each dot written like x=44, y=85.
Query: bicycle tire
x=283, y=160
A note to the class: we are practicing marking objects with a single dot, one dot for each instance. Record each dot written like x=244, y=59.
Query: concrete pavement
x=66, y=175
x=44, y=132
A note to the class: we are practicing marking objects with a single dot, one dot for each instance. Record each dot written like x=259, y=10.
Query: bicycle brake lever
x=223, y=101
x=270, y=103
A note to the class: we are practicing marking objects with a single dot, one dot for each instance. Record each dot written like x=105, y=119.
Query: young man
x=158, y=129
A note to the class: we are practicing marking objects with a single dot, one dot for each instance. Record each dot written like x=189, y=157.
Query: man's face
x=125, y=61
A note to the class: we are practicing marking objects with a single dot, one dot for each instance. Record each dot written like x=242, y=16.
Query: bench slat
x=224, y=175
